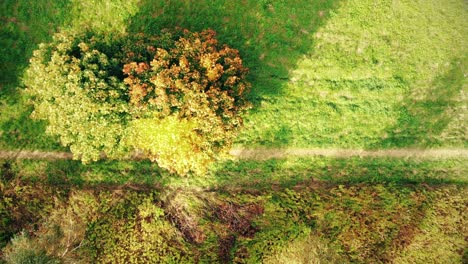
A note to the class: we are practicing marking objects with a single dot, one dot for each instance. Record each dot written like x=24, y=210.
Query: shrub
x=62, y=234
x=309, y=249
x=24, y=251
x=102, y=227
x=192, y=93
x=23, y=203
x=132, y=228
x=75, y=85
x=178, y=100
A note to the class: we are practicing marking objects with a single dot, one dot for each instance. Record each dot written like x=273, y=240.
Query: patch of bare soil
x=267, y=153
x=264, y=154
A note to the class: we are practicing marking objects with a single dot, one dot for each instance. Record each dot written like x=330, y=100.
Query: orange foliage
x=197, y=79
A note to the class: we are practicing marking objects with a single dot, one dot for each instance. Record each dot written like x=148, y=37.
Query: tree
x=177, y=99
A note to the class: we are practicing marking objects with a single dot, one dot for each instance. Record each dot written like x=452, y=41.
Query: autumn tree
x=191, y=96
x=74, y=84
x=176, y=97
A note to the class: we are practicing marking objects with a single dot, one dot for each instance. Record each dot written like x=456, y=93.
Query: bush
x=190, y=95
x=137, y=232
x=177, y=99
x=22, y=203
x=24, y=251
x=102, y=227
x=75, y=85
x=308, y=249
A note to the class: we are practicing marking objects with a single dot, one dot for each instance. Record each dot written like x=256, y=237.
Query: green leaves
x=190, y=97
x=70, y=87
x=178, y=100
x=171, y=142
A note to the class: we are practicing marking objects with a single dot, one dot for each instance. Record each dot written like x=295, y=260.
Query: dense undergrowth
x=51, y=214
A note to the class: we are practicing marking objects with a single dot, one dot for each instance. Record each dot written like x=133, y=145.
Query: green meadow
x=349, y=74
x=355, y=74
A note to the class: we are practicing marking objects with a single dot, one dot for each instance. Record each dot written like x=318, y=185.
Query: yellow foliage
x=171, y=142
x=180, y=104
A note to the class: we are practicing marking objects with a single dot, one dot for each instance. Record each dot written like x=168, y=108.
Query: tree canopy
x=176, y=97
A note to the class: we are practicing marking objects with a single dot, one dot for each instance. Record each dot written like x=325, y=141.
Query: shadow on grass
x=241, y=176
x=295, y=172
x=25, y=24
x=424, y=118
x=270, y=35
x=105, y=174
x=22, y=132
x=266, y=175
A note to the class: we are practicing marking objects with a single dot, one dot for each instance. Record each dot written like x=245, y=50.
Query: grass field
x=351, y=74
x=377, y=74
x=359, y=74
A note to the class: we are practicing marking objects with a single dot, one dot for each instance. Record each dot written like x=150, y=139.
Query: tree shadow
x=105, y=174
x=424, y=118
x=270, y=35
x=25, y=24
x=244, y=176
x=294, y=172
x=23, y=132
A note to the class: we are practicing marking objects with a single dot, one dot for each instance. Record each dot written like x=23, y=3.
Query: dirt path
x=25, y=154
x=264, y=154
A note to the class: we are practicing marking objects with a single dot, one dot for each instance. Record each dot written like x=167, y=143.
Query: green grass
x=25, y=24
x=251, y=175
x=287, y=173
x=351, y=74
x=377, y=75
